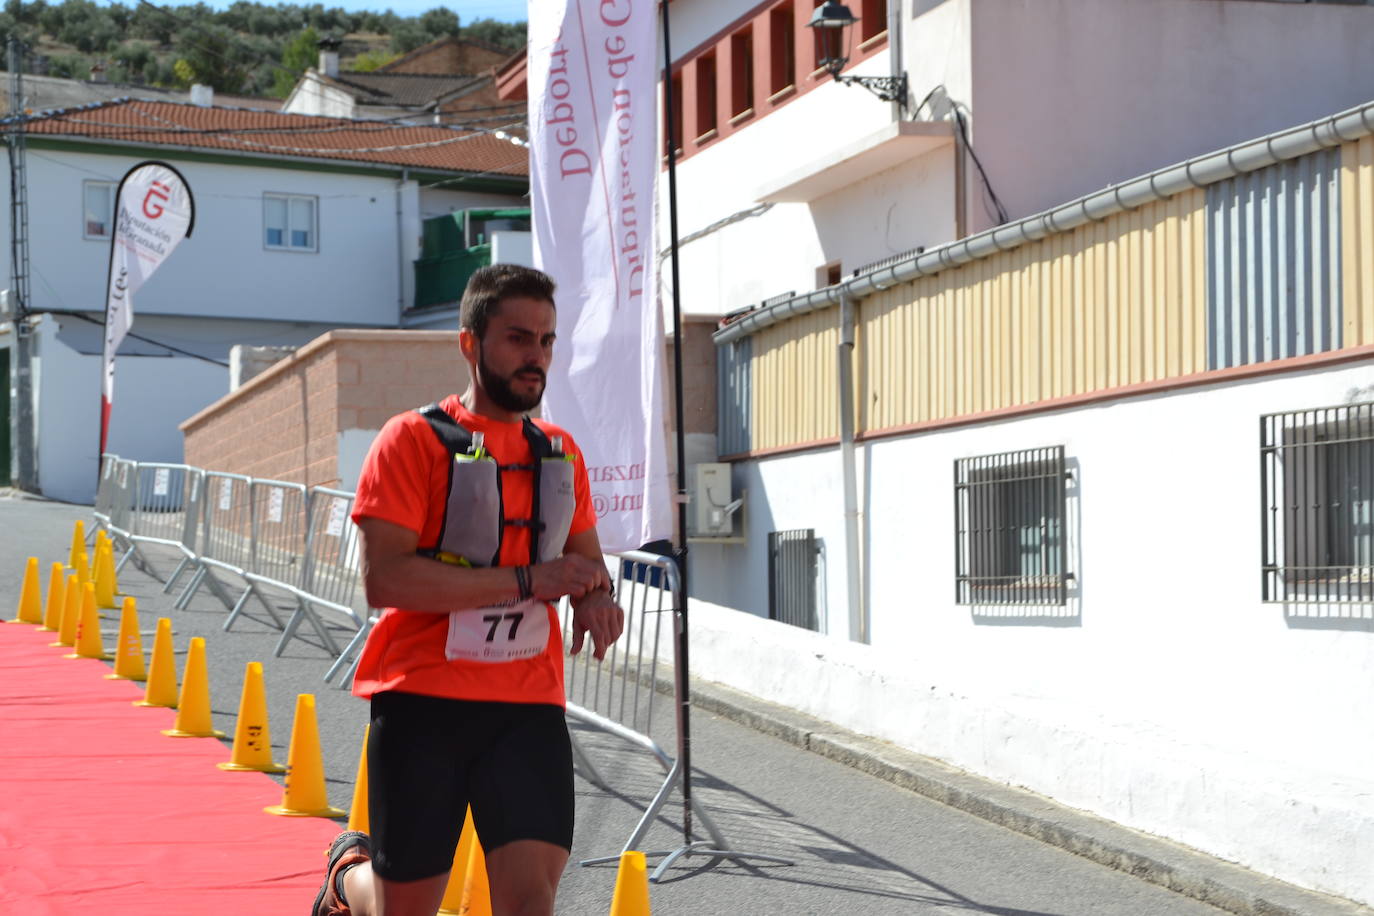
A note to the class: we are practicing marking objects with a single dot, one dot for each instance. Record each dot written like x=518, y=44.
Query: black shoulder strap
x=540, y=448
x=454, y=436
x=457, y=439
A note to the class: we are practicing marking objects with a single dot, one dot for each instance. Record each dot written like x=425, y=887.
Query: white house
x=1057, y=456
x=302, y=225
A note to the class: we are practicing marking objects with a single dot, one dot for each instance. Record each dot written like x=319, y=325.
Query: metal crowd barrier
x=621, y=697
x=243, y=538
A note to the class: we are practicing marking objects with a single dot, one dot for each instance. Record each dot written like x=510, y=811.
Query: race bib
x=505, y=633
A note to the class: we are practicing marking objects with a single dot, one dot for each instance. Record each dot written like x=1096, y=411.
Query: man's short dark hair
x=488, y=286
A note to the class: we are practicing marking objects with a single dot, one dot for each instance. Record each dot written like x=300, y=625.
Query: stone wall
x=285, y=424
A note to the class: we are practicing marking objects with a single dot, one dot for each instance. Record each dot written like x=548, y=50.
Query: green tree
x=372, y=60
x=440, y=22
x=212, y=55
x=299, y=55
x=407, y=35
x=510, y=36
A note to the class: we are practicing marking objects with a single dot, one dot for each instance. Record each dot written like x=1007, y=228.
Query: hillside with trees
x=247, y=49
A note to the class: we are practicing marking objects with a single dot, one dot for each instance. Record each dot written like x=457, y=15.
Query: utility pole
x=25, y=472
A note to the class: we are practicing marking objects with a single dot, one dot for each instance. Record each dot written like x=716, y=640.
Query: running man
x=472, y=520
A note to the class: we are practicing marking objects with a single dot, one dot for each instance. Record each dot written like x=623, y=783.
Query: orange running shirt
x=405, y=481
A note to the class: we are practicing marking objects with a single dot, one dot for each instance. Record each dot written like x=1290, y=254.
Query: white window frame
x=86, y=187
x=314, y=228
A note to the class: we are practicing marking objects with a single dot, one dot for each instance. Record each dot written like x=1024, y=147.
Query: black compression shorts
x=429, y=758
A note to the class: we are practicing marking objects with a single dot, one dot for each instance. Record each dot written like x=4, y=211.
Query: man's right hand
x=571, y=574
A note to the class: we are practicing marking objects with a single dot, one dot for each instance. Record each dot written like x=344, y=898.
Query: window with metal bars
x=1010, y=545
x=1317, y=474
x=792, y=569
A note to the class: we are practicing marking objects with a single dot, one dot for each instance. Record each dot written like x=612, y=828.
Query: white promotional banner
x=593, y=161
x=153, y=212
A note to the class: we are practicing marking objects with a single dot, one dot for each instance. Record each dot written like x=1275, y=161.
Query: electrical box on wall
x=714, y=504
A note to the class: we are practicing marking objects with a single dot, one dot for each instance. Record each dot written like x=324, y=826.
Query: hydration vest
x=475, y=519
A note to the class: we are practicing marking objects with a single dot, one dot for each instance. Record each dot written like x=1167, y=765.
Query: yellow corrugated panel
x=1105, y=305
x=795, y=394
x=1357, y=241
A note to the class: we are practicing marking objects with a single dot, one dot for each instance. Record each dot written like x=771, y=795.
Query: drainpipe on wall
x=853, y=561
x=401, y=248
x=894, y=49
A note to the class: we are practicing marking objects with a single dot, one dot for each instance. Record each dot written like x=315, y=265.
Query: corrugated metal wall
x=1108, y=304
x=1357, y=240
x=1269, y=265
x=795, y=395
x=733, y=393
x=1274, y=262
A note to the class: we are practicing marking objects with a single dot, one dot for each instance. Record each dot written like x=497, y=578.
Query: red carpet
x=101, y=813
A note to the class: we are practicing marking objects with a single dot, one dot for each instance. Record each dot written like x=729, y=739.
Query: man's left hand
x=598, y=614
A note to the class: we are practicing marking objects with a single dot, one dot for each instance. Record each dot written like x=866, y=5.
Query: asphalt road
x=858, y=845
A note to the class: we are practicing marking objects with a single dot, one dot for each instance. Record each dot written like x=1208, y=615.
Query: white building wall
x=152, y=395
x=208, y=275
x=1069, y=96
x=1167, y=697
x=312, y=97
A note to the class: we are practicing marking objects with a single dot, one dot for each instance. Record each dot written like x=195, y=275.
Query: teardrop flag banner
x=153, y=212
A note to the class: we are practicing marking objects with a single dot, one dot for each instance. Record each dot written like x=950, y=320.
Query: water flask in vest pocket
x=556, y=503
x=472, y=524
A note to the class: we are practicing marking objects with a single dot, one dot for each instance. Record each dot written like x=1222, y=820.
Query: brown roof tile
x=274, y=134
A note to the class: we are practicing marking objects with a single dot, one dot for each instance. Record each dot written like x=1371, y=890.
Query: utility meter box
x=713, y=501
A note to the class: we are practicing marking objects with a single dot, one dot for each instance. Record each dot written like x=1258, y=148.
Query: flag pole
x=684, y=717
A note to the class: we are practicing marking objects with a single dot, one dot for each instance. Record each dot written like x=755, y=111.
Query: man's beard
x=499, y=389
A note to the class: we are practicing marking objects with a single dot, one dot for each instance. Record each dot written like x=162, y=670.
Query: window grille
x=1317, y=474
x=792, y=577
x=1009, y=528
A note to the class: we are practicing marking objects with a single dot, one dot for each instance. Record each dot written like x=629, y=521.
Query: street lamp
x=833, y=22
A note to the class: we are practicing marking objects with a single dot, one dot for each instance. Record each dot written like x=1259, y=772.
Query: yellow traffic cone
x=78, y=543
x=129, y=649
x=83, y=568
x=88, y=641
x=193, y=707
x=162, y=674
x=452, y=904
x=631, y=896
x=357, y=812
x=252, y=738
x=105, y=585
x=30, y=601
x=304, y=795
x=476, y=891
x=57, y=597
x=71, y=613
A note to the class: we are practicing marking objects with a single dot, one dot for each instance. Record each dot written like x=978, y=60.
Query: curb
x=1150, y=858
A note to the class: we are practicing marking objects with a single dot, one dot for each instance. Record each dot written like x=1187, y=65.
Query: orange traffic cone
x=57, y=596
x=71, y=613
x=30, y=601
x=88, y=641
x=104, y=575
x=357, y=812
x=78, y=543
x=129, y=650
x=252, y=738
x=453, y=902
x=193, y=707
x=476, y=891
x=305, y=795
x=631, y=896
x=162, y=674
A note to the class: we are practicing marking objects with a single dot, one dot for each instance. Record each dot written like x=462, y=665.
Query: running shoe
x=352, y=847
